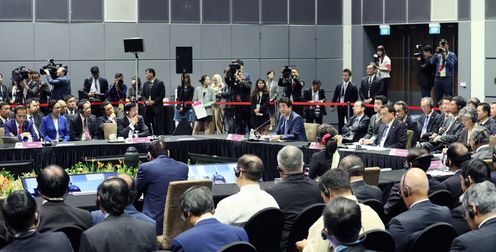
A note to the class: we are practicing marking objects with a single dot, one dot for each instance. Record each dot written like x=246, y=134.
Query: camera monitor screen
x=78, y=183
x=218, y=173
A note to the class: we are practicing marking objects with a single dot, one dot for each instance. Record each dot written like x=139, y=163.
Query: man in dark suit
x=71, y=107
x=131, y=124
x=20, y=127
x=355, y=167
x=83, y=127
x=421, y=213
x=314, y=114
x=34, y=115
x=61, y=85
x=480, y=143
x=4, y=112
x=430, y=121
x=153, y=94
x=153, y=180
x=357, y=126
x=21, y=219
x=370, y=86
x=478, y=203
x=108, y=117
x=53, y=183
x=392, y=133
x=95, y=87
x=483, y=115
x=290, y=125
x=296, y=192
x=345, y=91
x=401, y=109
x=375, y=121
x=119, y=231
x=456, y=154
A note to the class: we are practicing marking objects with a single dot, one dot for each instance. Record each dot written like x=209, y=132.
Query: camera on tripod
x=52, y=68
x=19, y=74
x=418, y=51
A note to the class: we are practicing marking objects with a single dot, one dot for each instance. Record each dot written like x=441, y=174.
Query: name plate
x=398, y=152
x=437, y=165
x=138, y=140
x=28, y=145
x=314, y=146
x=235, y=137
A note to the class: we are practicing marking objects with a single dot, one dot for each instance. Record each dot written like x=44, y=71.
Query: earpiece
x=471, y=213
x=476, y=135
x=466, y=178
x=356, y=168
x=406, y=190
x=325, y=190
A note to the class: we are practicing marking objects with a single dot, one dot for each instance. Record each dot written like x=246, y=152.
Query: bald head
x=53, y=182
x=417, y=183
x=129, y=180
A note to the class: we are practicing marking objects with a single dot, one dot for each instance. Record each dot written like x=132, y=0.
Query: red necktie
x=19, y=130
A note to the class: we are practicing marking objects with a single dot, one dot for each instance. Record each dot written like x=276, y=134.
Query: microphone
x=254, y=135
x=151, y=126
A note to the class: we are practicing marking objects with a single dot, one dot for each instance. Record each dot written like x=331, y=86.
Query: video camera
x=52, y=68
x=418, y=51
x=286, y=72
x=19, y=74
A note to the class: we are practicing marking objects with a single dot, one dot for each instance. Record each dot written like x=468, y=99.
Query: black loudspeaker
x=183, y=128
x=133, y=45
x=184, y=59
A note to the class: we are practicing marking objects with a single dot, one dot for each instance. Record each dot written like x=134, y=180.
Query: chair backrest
x=441, y=198
x=436, y=237
x=264, y=229
x=311, y=130
x=109, y=128
x=73, y=233
x=409, y=139
x=238, y=247
x=371, y=175
x=492, y=141
x=2, y=133
x=303, y=221
x=336, y=157
x=3, y=242
x=378, y=240
x=173, y=225
x=377, y=206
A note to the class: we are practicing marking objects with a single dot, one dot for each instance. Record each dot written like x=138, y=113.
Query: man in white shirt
x=237, y=209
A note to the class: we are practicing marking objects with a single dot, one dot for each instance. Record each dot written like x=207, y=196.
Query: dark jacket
x=452, y=184
x=185, y=94
x=76, y=127
x=364, y=192
x=396, y=137
x=103, y=85
x=375, y=89
x=433, y=124
x=373, y=129
x=46, y=242
x=319, y=164
x=490, y=124
x=154, y=91
x=459, y=221
x=123, y=127
x=350, y=94
x=425, y=77
x=413, y=126
x=480, y=240
x=307, y=96
x=356, y=131
x=57, y=214
x=292, y=88
x=61, y=87
x=296, y=128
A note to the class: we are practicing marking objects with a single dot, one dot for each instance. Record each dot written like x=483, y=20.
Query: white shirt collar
x=390, y=124
x=420, y=201
x=204, y=218
x=484, y=221
x=430, y=114
x=482, y=146
x=487, y=119
x=250, y=187
x=17, y=124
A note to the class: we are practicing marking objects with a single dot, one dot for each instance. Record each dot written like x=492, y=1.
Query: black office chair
x=3, y=241
x=264, y=229
x=436, y=238
x=304, y=220
x=74, y=235
x=378, y=240
x=238, y=247
x=377, y=206
x=442, y=198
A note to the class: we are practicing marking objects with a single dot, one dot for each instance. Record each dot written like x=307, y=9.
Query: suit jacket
x=292, y=88
x=319, y=164
x=483, y=152
x=396, y=137
x=358, y=131
x=123, y=127
x=296, y=128
x=47, y=128
x=184, y=94
x=490, y=124
x=18, y=96
x=350, y=94
x=208, y=235
x=61, y=87
x=102, y=120
x=56, y=214
x=307, y=96
x=208, y=100
x=98, y=216
x=10, y=126
x=452, y=184
x=154, y=91
x=103, y=85
x=433, y=125
x=153, y=180
x=406, y=227
x=373, y=128
x=413, y=126
x=452, y=134
x=375, y=89
x=480, y=240
x=46, y=242
x=459, y=221
x=76, y=127
x=36, y=119
x=293, y=195
x=127, y=234
x=4, y=93
x=363, y=191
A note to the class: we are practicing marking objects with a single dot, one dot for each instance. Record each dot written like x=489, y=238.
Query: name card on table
x=436, y=165
x=28, y=145
x=235, y=137
x=398, y=152
x=138, y=140
x=314, y=146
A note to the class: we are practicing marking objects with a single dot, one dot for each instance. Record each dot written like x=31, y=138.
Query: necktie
x=285, y=127
x=96, y=86
x=19, y=130
x=370, y=84
x=426, y=122
x=86, y=131
x=384, y=136
x=343, y=90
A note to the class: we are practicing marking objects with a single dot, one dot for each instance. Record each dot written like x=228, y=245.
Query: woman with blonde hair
x=217, y=110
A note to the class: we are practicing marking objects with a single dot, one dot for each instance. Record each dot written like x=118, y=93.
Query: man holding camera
x=61, y=85
x=117, y=93
x=313, y=95
x=445, y=62
x=292, y=86
x=425, y=76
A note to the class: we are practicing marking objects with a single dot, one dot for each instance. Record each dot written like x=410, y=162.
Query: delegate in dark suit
x=459, y=221
x=57, y=214
x=76, y=127
x=490, y=124
x=154, y=114
x=292, y=129
x=153, y=179
x=405, y=227
x=123, y=127
x=396, y=137
x=309, y=111
x=98, y=216
x=413, y=126
x=208, y=235
x=103, y=88
x=100, y=121
x=373, y=129
x=453, y=185
x=61, y=87
x=434, y=121
x=363, y=191
x=50, y=133
x=46, y=242
x=355, y=129
x=348, y=95
x=10, y=127
x=480, y=240
x=119, y=233
x=370, y=87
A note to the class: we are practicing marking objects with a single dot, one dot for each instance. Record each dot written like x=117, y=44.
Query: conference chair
x=436, y=238
x=73, y=233
x=304, y=220
x=409, y=139
x=2, y=133
x=371, y=175
x=3, y=242
x=377, y=206
x=441, y=198
x=378, y=240
x=336, y=157
x=264, y=229
x=109, y=128
x=311, y=130
x=238, y=247
x=173, y=226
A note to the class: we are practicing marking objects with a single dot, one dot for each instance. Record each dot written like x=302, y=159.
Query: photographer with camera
x=425, y=76
x=40, y=90
x=314, y=114
x=117, y=92
x=61, y=84
x=383, y=63
x=292, y=86
x=95, y=88
x=445, y=62
x=237, y=89
x=19, y=91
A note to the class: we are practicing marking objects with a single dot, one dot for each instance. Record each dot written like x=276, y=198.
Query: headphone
x=406, y=190
x=356, y=168
x=466, y=179
x=476, y=135
x=470, y=210
x=429, y=99
x=404, y=105
x=325, y=189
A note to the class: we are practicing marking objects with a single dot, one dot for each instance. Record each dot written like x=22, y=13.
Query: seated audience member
x=357, y=126
x=375, y=121
x=53, y=183
x=131, y=124
x=469, y=119
x=421, y=213
x=108, y=117
x=207, y=233
x=473, y=103
x=153, y=180
x=296, y=192
x=355, y=167
x=392, y=132
x=401, y=109
x=444, y=108
x=456, y=154
x=480, y=143
x=21, y=220
x=34, y=115
x=83, y=127
x=321, y=161
x=334, y=184
x=472, y=172
x=119, y=231
x=493, y=110
x=479, y=203
x=63, y=107
x=430, y=121
x=20, y=127
x=4, y=112
x=71, y=107
x=484, y=117
x=54, y=127
x=290, y=125
x=418, y=158
x=237, y=209
x=98, y=216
